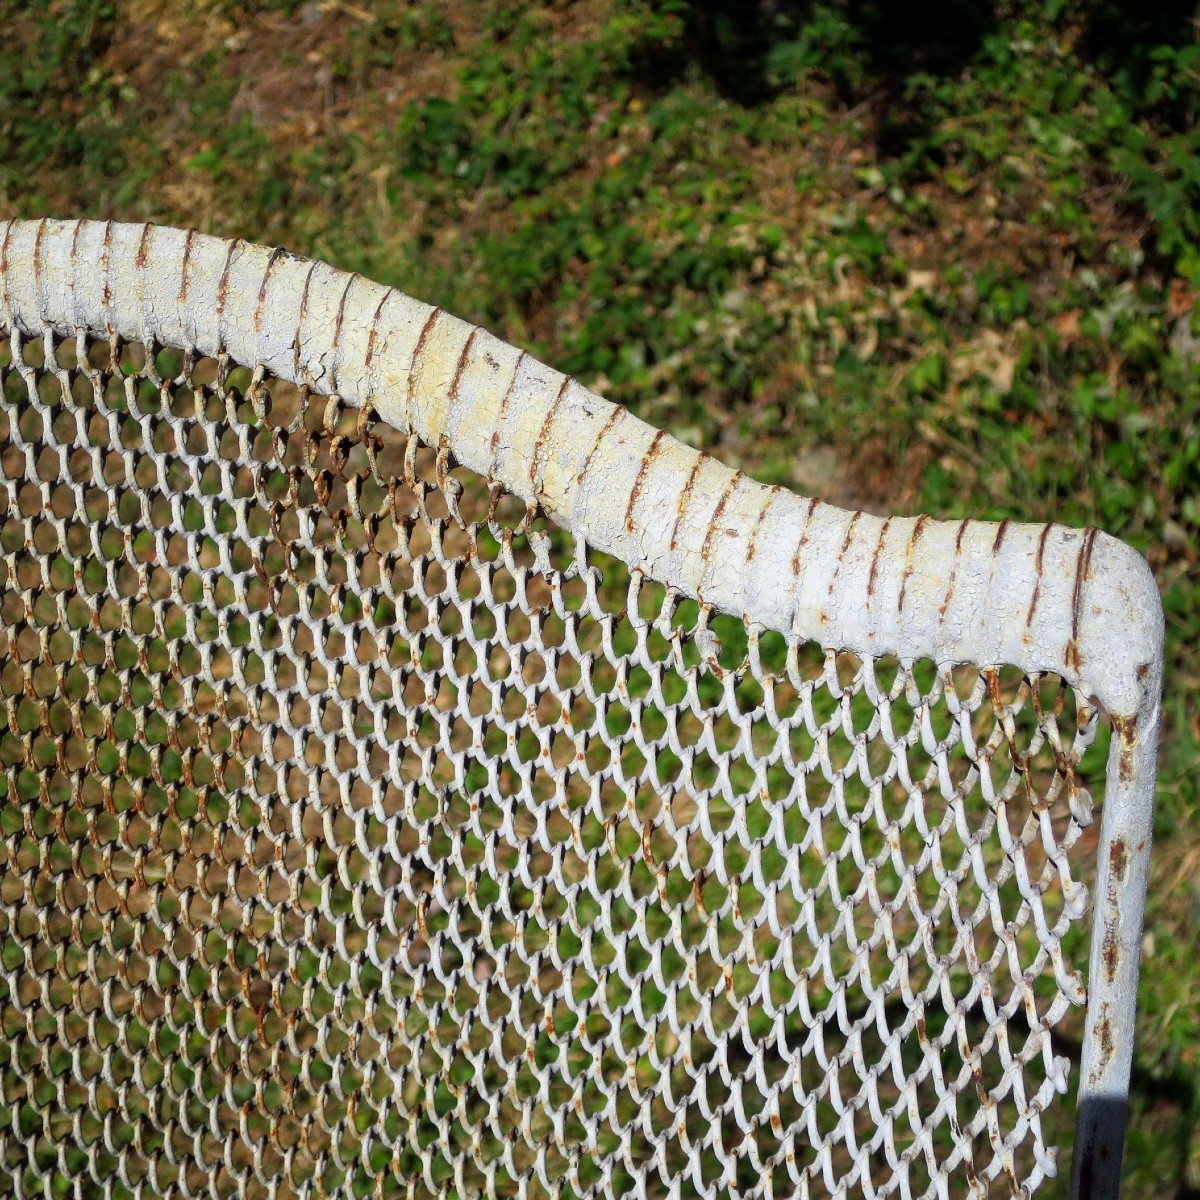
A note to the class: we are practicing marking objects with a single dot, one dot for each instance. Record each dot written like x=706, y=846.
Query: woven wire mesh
x=365, y=834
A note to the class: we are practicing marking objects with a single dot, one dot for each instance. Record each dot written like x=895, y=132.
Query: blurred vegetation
x=936, y=257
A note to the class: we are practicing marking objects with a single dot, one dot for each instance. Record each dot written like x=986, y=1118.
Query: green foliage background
x=926, y=257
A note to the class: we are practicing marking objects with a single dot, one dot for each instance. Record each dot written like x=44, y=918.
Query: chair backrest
x=425, y=778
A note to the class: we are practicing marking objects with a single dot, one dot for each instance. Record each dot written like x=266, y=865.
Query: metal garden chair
x=425, y=778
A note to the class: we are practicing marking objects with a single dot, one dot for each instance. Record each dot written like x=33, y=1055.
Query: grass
x=946, y=264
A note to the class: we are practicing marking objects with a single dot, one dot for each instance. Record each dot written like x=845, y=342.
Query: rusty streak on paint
x=706, y=545
x=752, y=548
x=796, y=561
x=37, y=265
x=373, y=336
x=954, y=569
x=276, y=254
x=223, y=283
x=302, y=314
x=875, y=558
x=1037, y=570
x=105, y=263
x=684, y=497
x=1082, y=566
x=415, y=366
x=536, y=466
x=855, y=517
x=918, y=529
x=341, y=313
x=508, y=391
x=188, y=239
x=587, y=462
x=143, y=251
x=337, y=333
x=640, y=479
x=461, y=365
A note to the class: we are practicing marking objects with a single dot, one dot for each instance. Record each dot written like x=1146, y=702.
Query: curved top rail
x=1039, y=597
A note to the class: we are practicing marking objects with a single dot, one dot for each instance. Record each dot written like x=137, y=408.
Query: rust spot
x=918, y=530
x=1110, y=952
x=752, y=549
x=418, y=350
x=187, y=258
x=1118, y=859
x=1104, y=1036
x=875, y=558
x=712, y=525
x=1037, y=567
x=1072, y=657
x=685, y=496
x=587, y=462
x=373, y=336
x=1126, y=729
x=143, y=251
x=641, y=479
x=262, y=291
x=536, y=465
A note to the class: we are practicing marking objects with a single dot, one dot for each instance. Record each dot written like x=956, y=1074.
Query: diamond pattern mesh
x=364, y=835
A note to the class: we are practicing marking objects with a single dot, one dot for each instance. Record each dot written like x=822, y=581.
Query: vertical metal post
x=1119, y=908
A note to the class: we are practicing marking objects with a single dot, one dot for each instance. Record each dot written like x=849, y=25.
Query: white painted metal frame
x=1039, y=597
